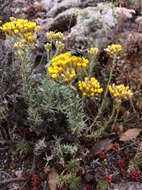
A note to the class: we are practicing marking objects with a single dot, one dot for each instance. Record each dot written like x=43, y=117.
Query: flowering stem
x=26, y=70
x=101, y=129
x=91, y=65
x=106, y=92
x=117, y=112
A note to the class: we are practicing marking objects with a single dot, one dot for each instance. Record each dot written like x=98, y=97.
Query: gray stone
x=126, y=186
x=5, y=9
x=85, y=27
x=94, y=27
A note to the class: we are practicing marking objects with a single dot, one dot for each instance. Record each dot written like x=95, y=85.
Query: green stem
x=26, y=69
x=117, y=113
x=92, y=65
x=106, y=92
x=99, y=131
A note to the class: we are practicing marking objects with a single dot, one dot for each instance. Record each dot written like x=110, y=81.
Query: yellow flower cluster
x=65, y=67
x=56, y=39
x=114, y=49
x=19, y=48
x=59, y=45
x=48, y=46
x=52, y=36
x=120, y=92
x=21, y=28
x=90, y=87
x=93, y=51
x=18, y=45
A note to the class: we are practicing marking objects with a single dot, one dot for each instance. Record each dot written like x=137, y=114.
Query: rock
x=61, y=6
x=5, y=10
x=64, y=21
x=85, y=23
x=127, y=13
x=86, y=26
x=126, y=186
x=58, y=6
x=93, y=28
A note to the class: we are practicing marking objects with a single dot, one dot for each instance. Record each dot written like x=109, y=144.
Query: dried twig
x=12, y=180
x=3, y=172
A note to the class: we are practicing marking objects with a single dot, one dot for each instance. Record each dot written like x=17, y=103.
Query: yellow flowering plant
x=90, y=87
x=53, y=36
x=65, y=67
x=114, y=49
x=120, y=92
x=69, y=92
x=69, y=80
x=93, y=53
x=21, y=29
x=54, y=39
x=59, y=46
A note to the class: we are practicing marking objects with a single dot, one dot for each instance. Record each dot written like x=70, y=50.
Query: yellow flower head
x=93, y=51
x=120, y=92
x=114, y=49
x=12, y=19
x=19, y=53
x=65, y=67
x=59, y=45
x=52, y=36
x=90, y=87
x=21, y=28
x=59, y=36
x=48, y=46
x=19, y=45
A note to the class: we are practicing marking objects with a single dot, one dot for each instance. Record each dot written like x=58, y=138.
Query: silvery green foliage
x=69, y=149
x=47, y=159
x=54, y=95
x=61, y=149
x=64, y=148
x=75, y=114
x=48, y=95
x=22, y=148
x=42, y=142
x=61, y=98
x=40, y=147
